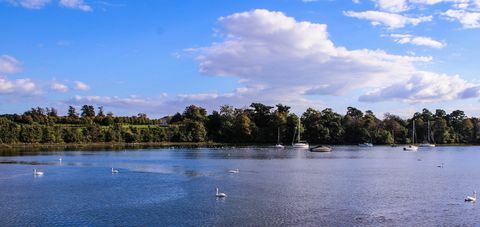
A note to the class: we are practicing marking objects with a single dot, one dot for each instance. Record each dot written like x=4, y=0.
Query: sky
x=159, y=56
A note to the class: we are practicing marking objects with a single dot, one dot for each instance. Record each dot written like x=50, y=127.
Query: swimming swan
x=37, y=173
x=114, y=170
x=221, y=194
x=234, y=171
x=472, y=198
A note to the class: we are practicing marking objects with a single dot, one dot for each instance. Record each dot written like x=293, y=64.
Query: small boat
x=234, y=171
x=115, y=170
x=427, y=143
x=220, y=194
x=279, y=145
x=37, y=172
x=365, y=145
x=412, y=147
x=472, y=198
x=299, y=144
x=321, y=148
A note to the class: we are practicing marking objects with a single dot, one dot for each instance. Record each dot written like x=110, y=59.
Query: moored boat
x=299, y=144
x=321, y=148
x=365, y=145
x=412, y=147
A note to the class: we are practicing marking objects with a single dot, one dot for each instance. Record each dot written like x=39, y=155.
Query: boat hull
x=410, y=148
x=300, y=145
x=321, y=149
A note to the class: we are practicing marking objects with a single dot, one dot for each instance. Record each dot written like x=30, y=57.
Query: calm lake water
x=350, y=186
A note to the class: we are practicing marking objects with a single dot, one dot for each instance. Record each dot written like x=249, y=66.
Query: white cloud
x=114, y=101
x=417, y=40
x=76, y=4
x=467, y=19
x=425, y=87
x=30, y=4
x=9, y=64
x=434, y=2
x=390, y=20
x=394, y=6
x=285, y=60
x=81, y=86
x=56, y=86
x=18, y=86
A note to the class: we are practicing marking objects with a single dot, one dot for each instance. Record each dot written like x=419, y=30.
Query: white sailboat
x=279, y=145
x=427, y=143
x=299, y=144
x=366, y=144
x=412, y=147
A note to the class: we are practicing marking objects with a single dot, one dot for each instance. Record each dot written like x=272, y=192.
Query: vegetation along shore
x=257, y=124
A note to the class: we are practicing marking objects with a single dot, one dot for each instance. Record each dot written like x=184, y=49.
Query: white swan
x=37, y=173
x=234, y=171
x=472, y=198
x=114, y=170
x=221, y=194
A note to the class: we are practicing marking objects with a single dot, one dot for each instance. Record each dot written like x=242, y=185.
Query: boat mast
x=428, y=131
x=278, y=135
x=413, y=132
x=299, y=130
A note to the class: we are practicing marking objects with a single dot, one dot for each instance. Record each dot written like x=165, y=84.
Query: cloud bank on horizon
x=279, y=59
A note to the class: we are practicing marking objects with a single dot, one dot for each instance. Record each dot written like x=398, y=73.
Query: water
x=378, y=186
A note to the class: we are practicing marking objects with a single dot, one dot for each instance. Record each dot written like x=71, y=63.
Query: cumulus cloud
x=9, y=64
x=467, y=19
x=57, y=86
x=18, y=86
x=285, y=59
x=417, y=40
x=425, y=87
x=81, y=86
x=75, y=4
x=389, y=20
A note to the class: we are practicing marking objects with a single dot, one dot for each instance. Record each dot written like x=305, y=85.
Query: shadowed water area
x=350, y=186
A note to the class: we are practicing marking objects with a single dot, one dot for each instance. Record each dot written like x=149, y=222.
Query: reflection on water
x=350, y=186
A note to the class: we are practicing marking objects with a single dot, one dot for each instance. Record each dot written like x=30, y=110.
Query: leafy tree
x=88, y=111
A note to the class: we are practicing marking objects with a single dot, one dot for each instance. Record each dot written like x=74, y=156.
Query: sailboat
x=412, y=147
x=299, y=144
x=427, y=143
x=279, y=145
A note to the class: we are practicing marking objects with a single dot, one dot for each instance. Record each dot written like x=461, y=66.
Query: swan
x=472, y=198
x=60, y=159
x=221, y=194
x=234, y=171
x=37, y=173
x=114, y=170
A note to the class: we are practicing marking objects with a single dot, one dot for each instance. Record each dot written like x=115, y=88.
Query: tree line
x=258, y=123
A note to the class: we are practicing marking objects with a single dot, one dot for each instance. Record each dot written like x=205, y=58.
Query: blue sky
x=157, y=57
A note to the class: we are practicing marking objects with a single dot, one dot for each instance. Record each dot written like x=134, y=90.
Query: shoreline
x=34, y=147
